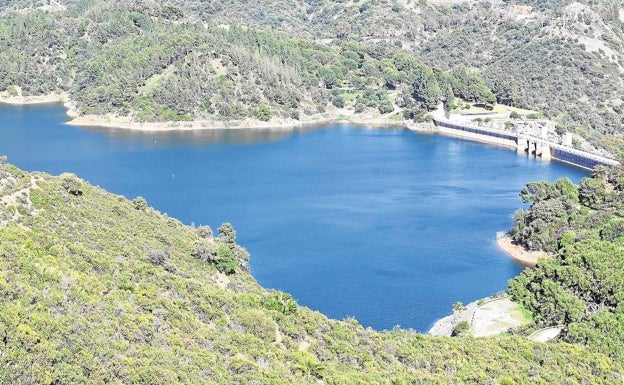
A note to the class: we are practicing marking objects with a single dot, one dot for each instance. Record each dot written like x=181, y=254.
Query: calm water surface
x=388, y=226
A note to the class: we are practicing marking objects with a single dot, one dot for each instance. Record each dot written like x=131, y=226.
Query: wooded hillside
x=230, y=60
x=581, y=287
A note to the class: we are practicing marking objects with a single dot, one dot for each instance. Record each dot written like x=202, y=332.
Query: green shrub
x=139, y=203
x=72, y=184
x=461, y=329
x=225, y=261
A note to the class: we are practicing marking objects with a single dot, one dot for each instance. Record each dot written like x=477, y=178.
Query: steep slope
x=95, y=289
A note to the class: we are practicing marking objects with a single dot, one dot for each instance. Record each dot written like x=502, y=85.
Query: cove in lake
x=388, y=226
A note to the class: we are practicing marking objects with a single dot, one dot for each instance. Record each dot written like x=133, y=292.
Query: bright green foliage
x=140, y=203
x=225, y=261
x=461, y=329
x=264, y=113
x=94, y=291
x=282, y=302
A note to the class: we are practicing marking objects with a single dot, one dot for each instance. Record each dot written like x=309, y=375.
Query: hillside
x=152, y=63
x=580, y=286
x=95, y=288
x=228, y=61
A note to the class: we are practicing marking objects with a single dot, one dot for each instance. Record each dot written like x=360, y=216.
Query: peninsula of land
x=518, y=253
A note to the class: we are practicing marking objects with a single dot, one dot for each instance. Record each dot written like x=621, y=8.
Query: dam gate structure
x=538, y=147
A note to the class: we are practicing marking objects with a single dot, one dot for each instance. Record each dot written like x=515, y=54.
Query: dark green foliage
x=470, y=86
x=222, y=252
x=153, y=62
x=225, y=261
x=166, y=61
x=552, y=206
x=592, y=193
x=264, y=113
x=72, y=184
x=582, y=286
x=338, y=101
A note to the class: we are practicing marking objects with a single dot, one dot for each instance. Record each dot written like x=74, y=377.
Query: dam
x=530, y=145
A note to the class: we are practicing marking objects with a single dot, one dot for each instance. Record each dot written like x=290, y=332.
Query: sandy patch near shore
x=333, y=115
x=487, y=317
x=519, y=254
x=19, y=99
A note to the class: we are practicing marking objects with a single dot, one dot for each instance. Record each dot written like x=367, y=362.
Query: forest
x=187, y=60
x=581, y=286
x=127, y=59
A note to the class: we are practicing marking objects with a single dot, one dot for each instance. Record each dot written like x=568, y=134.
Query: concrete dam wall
x=523, y=144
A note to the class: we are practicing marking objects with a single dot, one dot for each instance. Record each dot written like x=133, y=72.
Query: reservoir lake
x=385, y=225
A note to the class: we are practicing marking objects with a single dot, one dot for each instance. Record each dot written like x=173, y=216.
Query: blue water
x=387, y=226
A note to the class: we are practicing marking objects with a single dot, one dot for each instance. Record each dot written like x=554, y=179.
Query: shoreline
x=366, y=120
x=20, y=100
x=332, y=116
x=518, y=253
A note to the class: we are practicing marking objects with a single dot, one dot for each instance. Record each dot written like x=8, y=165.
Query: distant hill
x=188, y=60
x=95, y=289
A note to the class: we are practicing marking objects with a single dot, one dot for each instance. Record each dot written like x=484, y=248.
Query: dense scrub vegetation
x=140, y=59
x=95, y=288
x=581, y=287
x=192, y=59
x=564, y=60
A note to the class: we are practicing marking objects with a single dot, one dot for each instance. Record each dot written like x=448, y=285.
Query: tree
x=425, y=88
x=227, y=233
x=461, y=329
x=72, y=184
x=140, y=203
x=264, y=112
x=157, y=257
x=225, y=261
x=592, y=193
